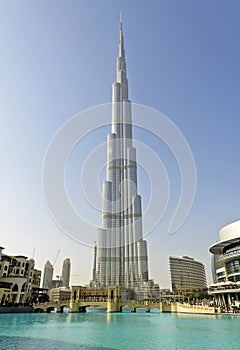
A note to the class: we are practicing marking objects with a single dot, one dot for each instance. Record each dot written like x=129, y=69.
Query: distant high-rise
x=47, y=275
x=187, y=274
x=66, y=267
x=121, y=253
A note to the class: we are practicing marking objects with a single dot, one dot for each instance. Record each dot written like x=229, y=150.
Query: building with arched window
x=16, y=278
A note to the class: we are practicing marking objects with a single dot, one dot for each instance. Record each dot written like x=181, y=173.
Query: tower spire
x=121, y=52
x=120, y=28
x=121, y=62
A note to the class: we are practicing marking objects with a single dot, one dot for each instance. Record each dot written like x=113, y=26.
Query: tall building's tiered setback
x=121, y=253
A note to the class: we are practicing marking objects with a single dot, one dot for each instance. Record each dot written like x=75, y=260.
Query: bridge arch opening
x=38, y=311
x=63, y=308
x=50, y=308
x=82, y=308
x=155, y=310
x=125, y=308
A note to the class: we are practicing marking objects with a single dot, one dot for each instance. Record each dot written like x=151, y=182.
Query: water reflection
x=12, y=343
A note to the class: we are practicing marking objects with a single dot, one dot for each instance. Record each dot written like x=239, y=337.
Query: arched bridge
x=113, y=306
x=81, y=305
x=50, y=306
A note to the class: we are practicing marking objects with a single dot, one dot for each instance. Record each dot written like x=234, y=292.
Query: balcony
x=229, y=256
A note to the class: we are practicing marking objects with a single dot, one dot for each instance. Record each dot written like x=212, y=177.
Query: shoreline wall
x=15, y=309
x=187, y=308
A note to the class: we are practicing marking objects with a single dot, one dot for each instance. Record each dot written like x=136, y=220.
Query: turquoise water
x=97, y=330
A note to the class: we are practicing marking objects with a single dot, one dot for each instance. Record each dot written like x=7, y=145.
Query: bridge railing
x=90, y=299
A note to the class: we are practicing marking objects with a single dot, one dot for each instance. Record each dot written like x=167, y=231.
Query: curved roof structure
x=229, y=235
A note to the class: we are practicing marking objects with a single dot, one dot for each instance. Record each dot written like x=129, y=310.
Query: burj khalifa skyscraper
x=121, y=256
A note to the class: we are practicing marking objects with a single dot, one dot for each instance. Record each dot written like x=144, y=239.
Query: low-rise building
x=60, y=294
x=16, y=278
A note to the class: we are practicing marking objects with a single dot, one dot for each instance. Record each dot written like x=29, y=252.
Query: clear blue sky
x=58, y=58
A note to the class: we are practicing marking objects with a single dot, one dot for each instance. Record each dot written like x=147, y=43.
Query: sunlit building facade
x=121, y=256
x=226, y=267
x=17, y=278
x=226, y=254
x=187, y=275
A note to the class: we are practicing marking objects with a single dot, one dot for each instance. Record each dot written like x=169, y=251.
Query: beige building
x=16, y=278
x=36, y=278
x=187, y=275
x=60, y=294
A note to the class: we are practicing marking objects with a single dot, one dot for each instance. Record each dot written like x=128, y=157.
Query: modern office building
x=187, y=274
x=66, y=268
x=226, y=266
x=47, y=276
x=121, y=253
x=16, y=278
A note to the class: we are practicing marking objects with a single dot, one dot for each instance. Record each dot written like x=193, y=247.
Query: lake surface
x=99, y=330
